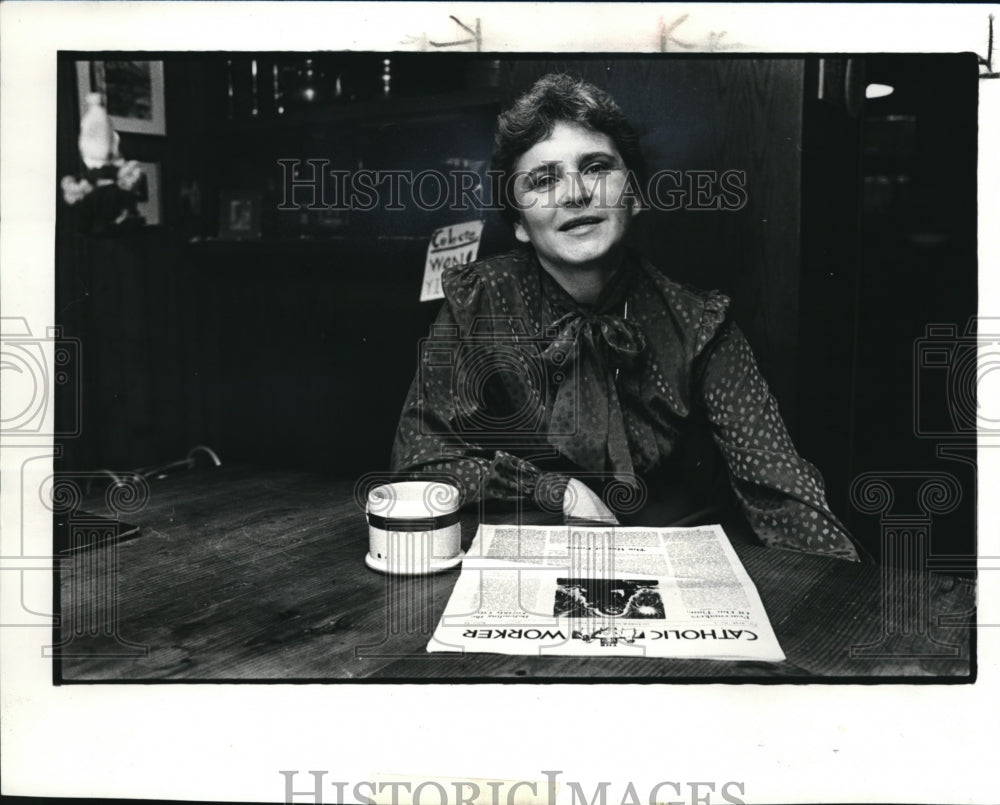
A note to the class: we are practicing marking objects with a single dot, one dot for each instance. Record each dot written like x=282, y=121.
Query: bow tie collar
x=590, y=346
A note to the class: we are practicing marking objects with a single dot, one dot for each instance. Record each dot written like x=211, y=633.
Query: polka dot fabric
x=492, y=408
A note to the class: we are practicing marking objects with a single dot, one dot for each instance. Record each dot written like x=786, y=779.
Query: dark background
x=296, y=349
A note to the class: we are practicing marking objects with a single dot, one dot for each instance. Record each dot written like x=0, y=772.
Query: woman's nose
x=573, y=191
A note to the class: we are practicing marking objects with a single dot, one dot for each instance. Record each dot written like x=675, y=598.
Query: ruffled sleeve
x=713, y=314
x=781, y=493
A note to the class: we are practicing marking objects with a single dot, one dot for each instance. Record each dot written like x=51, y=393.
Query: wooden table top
x=244, y=574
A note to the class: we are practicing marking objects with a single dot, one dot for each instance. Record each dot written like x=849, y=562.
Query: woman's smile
x=581, y=225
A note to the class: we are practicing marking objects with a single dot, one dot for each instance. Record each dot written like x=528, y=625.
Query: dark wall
x=832, y=144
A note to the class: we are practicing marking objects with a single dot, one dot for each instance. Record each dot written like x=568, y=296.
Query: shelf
x=270, y=249
x=212, y=242
x=371, y=113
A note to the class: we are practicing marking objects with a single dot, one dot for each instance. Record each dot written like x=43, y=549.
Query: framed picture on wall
x=133, y=93
x=151, y=208
x=239, y=215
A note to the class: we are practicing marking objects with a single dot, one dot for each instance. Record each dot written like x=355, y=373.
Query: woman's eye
x=544, y=181
x=597, y=167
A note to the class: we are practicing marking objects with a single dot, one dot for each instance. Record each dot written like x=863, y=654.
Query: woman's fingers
x=581, y=503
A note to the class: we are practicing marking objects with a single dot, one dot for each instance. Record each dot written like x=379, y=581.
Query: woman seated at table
x=572, y=365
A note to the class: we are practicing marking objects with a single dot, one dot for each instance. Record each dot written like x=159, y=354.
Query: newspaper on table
x=606, y=591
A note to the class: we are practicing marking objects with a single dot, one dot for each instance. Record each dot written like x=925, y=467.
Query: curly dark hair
x=557, y=98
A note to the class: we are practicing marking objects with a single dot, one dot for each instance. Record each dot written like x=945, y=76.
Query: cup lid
x=413, y=499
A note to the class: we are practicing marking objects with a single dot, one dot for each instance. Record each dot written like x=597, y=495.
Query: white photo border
x=801, y=743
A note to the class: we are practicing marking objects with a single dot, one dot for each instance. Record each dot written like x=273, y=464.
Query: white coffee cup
x=413, y=528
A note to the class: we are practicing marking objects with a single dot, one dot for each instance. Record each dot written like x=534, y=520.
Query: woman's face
x=571, y=192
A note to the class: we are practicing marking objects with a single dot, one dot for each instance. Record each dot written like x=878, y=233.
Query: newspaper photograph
x=606, y=591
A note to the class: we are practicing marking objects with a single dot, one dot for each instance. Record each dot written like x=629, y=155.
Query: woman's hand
x=581, y=503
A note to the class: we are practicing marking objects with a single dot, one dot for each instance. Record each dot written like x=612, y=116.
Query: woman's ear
x=521, y=233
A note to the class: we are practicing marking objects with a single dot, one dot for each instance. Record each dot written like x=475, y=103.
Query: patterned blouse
x=519, y=388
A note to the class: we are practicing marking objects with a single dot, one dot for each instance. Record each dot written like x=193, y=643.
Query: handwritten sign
x=453, y=245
